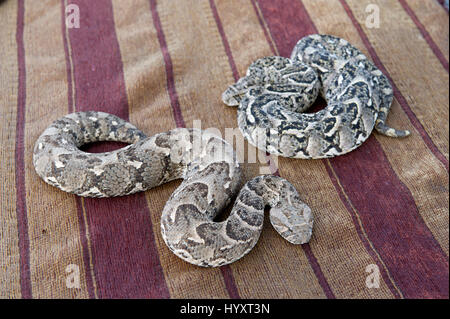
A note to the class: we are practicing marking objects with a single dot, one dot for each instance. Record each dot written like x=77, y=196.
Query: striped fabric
x=164, y=64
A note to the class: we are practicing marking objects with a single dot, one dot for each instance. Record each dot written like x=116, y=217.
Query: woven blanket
x=381, y=212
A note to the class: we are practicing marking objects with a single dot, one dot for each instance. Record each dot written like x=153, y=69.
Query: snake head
x=236, y=92
x=293, y=223
x=258, y=73
x=232, y=96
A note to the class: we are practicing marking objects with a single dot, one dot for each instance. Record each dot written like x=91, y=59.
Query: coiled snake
x=211, y=177
x=271, y=98
x=276, y=90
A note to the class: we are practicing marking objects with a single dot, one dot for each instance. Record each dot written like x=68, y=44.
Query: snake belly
x=211, y=177
x=276, y=90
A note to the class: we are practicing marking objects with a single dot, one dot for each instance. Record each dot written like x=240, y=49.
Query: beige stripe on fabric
x=9, y=240
x=150, y=110
x=244, y=34
x=436, y=22
x=52, y=214
x=412, y=161
x=202, y=71
x=412, y=65
x=310, y=178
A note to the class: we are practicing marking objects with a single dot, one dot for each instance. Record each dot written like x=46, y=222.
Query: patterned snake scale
x=276, y=90
x=211, y=177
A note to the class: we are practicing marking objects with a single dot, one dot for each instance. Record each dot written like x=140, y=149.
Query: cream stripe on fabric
x=52, y=215
x=9, y=78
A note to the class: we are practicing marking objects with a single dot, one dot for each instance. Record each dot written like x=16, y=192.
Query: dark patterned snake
x=211, y=177
x=276, y=90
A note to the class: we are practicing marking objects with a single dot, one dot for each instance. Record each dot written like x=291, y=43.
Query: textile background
x=164, y=64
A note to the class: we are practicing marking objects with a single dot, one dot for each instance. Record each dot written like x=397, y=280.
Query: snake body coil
x=276, y=90
x=211, y=177
x=271, y=99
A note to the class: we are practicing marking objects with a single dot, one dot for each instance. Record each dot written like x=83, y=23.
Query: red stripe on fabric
x=398, y=95
x=125, y=257
x=21, y=203
x=173, y=95
x=230, y=284
x=318, y=271
x=386, y=207
x=366, y=242
x=179, y=121
x=433, y=46
x=286, y=26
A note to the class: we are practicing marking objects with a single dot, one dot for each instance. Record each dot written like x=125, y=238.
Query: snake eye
x=256, y=90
